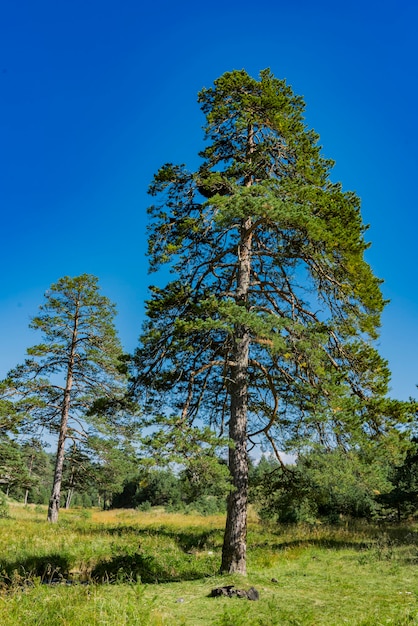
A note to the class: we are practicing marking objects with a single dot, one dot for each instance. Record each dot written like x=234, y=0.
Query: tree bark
x=70, y=491
x=54, y=501
x=70, y=494
x=30, y=474
x=234, y=549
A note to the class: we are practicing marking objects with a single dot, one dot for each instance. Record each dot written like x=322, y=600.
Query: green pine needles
x=265, y=332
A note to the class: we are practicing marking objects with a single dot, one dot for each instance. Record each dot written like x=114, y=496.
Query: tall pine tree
x=76, y=366
x=266, y=330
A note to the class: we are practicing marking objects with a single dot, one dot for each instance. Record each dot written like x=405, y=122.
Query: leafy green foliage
x=202, y=486
x=112, y=460
x=321, y=486
x=4, y=507
x=402, y=498
x=9, y=417
x=205, y=476
x=13, y=471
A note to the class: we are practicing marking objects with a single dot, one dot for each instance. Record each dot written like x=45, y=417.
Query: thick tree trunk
x=234, y=549
x=54, y=501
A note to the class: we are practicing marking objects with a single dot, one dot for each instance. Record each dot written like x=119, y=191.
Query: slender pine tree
x=76, y=365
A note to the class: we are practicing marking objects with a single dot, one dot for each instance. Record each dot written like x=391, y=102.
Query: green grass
x=152, y=568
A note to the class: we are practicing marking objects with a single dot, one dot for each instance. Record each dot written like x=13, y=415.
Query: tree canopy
x=266, y=330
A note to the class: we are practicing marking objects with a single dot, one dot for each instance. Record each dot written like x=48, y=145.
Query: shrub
x=4, y=506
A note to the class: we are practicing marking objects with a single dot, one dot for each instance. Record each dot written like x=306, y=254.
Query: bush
x=208, y=505
x=322, y=485
x=4, y=506
x=144, y=506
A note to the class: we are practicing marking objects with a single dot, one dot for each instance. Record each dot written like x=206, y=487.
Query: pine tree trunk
x=234, y=549
x=70, y=494
x=70, y=491
x=30, y=474
x=54, y=501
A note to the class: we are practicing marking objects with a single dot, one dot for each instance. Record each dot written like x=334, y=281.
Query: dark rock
x=230, y=592
x=222, y=591
x=252, y=594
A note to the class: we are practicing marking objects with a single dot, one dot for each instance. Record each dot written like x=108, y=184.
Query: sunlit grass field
x=138, y=568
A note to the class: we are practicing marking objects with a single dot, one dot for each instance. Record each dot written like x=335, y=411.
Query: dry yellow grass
x=159, y=515
x=155, y=517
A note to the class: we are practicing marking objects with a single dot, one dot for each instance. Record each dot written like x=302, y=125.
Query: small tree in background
x=113, y=459
x=76, y=365
x=78, y=473
x=37, y=464
x=14, y=475
x=402, y=495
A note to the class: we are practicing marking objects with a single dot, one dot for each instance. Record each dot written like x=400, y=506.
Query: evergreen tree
x=10, y=418
x=204, y=476
x=77, y=474
x=266, y=328
x=77, y=365
x=402, y=496
x=13, y=472
x=37, y=465
x=113, y=459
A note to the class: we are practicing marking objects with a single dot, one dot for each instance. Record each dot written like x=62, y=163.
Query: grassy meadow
x=154, y=568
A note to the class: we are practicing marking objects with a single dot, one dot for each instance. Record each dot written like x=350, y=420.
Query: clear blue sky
x=95, y=95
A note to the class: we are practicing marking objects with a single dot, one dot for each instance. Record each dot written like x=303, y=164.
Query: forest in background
x=319, y=487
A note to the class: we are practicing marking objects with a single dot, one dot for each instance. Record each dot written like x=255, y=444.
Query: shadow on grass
x=339, y=539
x=47, y=569
x=148, y=568
x=187, y=540
x=326, y=544
x=142, y=568
x=123, y=568
x=138, y=566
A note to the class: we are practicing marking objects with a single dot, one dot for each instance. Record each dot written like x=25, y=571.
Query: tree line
x=319, y=487
x=263, y=336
